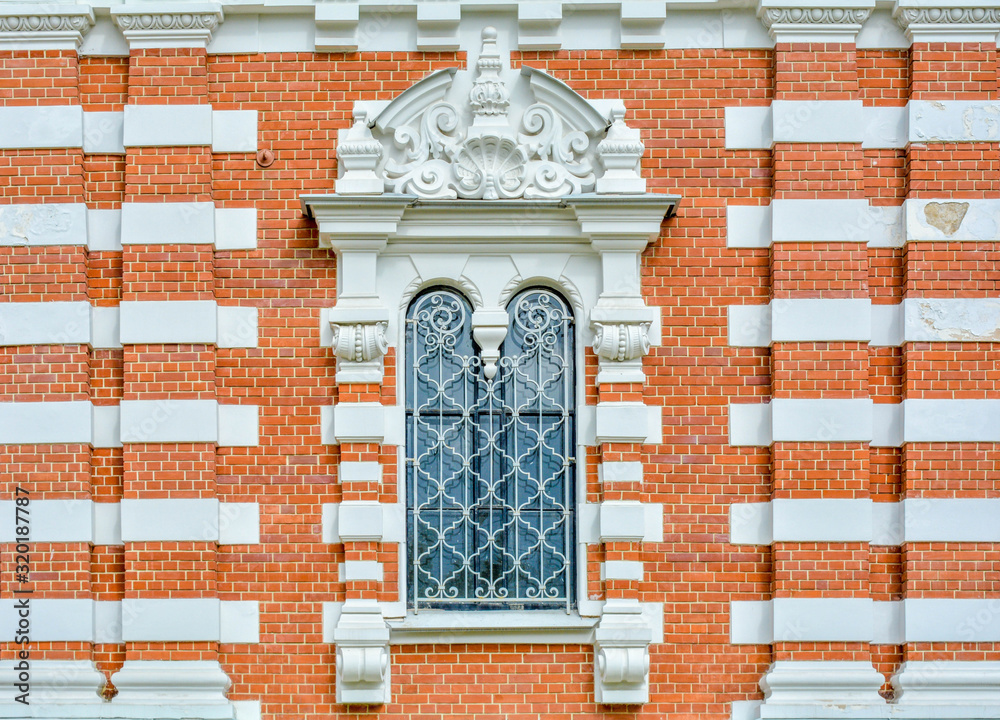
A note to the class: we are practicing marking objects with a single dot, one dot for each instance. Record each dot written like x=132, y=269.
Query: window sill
x=497, y=626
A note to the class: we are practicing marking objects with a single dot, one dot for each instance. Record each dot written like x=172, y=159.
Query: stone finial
x=619, y=154
x=359, y=153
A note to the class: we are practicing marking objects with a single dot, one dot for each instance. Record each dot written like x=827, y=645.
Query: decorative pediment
x=489, y=134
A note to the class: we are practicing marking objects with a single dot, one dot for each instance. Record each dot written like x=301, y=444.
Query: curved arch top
x=489, y=133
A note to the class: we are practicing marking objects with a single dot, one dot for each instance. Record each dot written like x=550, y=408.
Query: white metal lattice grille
x=490, y=463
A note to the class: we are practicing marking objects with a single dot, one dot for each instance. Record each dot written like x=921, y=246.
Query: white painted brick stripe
x=763, y=622
x=39, y=224
x=109, y=133
x=79, y=421
x=97, y=523
x=817, y=121
x=52, y=323
x=917, y=220
x=136, y=620
x=912, y=320
x=884, y=524
x=882, y=425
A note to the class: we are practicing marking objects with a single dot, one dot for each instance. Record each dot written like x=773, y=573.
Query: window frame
x=530, y=621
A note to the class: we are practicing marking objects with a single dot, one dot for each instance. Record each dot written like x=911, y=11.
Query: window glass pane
x=490, y=466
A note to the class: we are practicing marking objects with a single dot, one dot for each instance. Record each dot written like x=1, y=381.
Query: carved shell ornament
x=485, y=142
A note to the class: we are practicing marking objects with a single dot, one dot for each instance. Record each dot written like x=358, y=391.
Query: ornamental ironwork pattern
x=490, y=462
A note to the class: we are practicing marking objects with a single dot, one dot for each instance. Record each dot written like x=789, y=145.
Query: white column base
x=164, y=688
x=55, y=689
x=817, y=689
x=953, y=684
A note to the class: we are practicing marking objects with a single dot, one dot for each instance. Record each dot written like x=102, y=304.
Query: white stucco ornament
x=490, y=134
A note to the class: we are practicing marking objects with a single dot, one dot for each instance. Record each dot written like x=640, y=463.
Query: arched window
x=490, y=463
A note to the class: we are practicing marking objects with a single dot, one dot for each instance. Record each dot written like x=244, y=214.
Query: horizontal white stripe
x=41, y=126
x=912, y=320
x=50, y=323
x=843, y=520
x=629, y=422
x=39, y=224
x=917, y=220
x=108, y=133
x=98, y=523
x=81, y=422
x=827, y=121
x=622, y=570
x=135, y=620
x=354, y=570
x=883, y=425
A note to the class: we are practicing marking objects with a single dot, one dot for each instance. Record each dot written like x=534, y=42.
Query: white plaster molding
x=247, y=709
x=36, y=224
x=952, y=619
x=622, y=570
x=619, y=472
x=913, y=320
x=234, y=131
x=642, y=24
x=168, y=322
x=933, y=121
x=239, y=622
x=538, y=25
x=104, y=133
x=821, y=420
x=40, y=126
x=362, y=639
x=52, y=620
x=337, y=27
x=359, y=570
x=880, y=523
x=744, y=709
x=173, y=223
x=817, y=220
x=821, y=520
x=954, y=21
x=189, y=519
x=104, y=230
x=883, y=425
x=749, y=127
x=791, y=21
x=821, y=320
x=750, y=424
x=70, y=521
x=235, y=228
x=170, y=25
x=629, y=422
x=800, y=686
x=144, y=421
x=167, y=125
x=817, y=121
x=170, y=619
x=621, y=650
x=44, y=323
x=62, y=422
x=948, y=684
x=949, y=220
x=885, y=127
x=748, y=226
x=595, y=523
x=358, y=521
x=359, y=422
x=437, y=25
x=763, y=622
x=30, y=26
x=55, y=688
x=107, y=523
x=951, y=420
x=508, y=142
x=172, y=688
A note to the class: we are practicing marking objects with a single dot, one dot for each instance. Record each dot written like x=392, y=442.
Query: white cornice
x=168, y=25
x=790, y=21
x=25, y=26
x=948, y=21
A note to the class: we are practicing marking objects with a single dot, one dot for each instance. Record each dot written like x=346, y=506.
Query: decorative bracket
x=359, y=341
x=621, y=654
x=362, y=639
x=489, y=328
